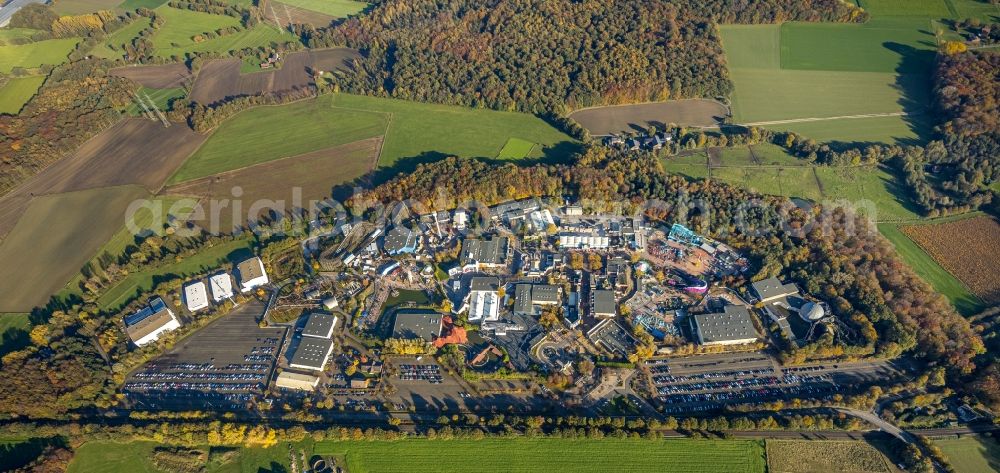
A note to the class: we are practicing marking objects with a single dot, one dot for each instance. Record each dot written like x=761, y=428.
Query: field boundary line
x=820, y=119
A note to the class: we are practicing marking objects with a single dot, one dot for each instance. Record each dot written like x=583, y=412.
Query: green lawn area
x=175, y=37
x=144, y=281
x=412, y=130
x=520, y=455
x=929, y=270
x=924, y=8
x=17, y=91
x=291, y=130
x=14, y=329
x=515, y=148
x=136, y=457
x=78, y=7
x=791, y=181
x=50, y=51
x=337, y=8
x=971, y=454
x=133, y=4
x=981, y=9
x=7, y=34
x=874, y=129
x=116, y=39
x=160, y=97
x=868, y=188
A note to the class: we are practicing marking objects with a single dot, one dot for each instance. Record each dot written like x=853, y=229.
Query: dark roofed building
x=527, y=297
x=411, y=324
x=400, y=240
x=486, y=253
x=319, y=325
x=484, y=283
x=312, y=353
x=771, y=288
x=732, y=326
x=603, y=303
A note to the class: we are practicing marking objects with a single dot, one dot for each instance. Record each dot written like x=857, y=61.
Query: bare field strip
x=55, y=237
x=622, y=118
x=967, y=248
x=288, y=15
x=134, y=151
x=314, y=174
x=221, y=79
x=165, y=76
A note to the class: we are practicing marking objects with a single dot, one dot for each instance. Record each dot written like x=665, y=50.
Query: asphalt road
x=8, y=10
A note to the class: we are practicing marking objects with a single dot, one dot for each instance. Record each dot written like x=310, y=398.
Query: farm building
x=222, y=287
x=148, y=324
x=603, y=303
x=302, y=382
x=196, y=296
x=251, y=274
x=732, y=326
x=400, y=240
x=411, y=324
x=319, y=325
x=485, y=253
x=529, y=297
x=484, y=299
x=312, y=353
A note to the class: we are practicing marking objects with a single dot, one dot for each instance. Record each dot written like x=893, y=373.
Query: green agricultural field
x=133, y=4
x=981, y=9
x=50, y=51
x=419, y=130
x=412, y=130
x=144, y=281
x=17, y=91
x=111, y=47
x=971, y=454
x=291, y=130
x=136, y=457
x=891, y=129
x=175, y=37
x=515, y=148
x=792, y=181
x=160, y=97
x=929, y=270
x=901, y=45
x=77, y=7
x=337, y=8
x=868, y=188
x=548, y=455
x=922, y=8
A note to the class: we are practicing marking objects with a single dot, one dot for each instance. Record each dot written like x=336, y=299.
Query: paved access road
x=11, y=8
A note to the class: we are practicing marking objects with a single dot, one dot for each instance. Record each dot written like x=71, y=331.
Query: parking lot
x=226, y=364
x=710, y=381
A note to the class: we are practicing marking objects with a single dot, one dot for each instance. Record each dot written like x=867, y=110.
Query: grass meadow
x=136, y=457
x=548, y=455
x=337, y=8
x=971, y=454
x=160, y=97
x=31, y=55
x=922, y=8
x=776, y=172
x=77, y=7
x=17, y=91
x=111, y=47
x=412, y=130
x=175, y=37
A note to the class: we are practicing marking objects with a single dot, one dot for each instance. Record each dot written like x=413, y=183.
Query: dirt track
x=623, y=118
x=313, y=174
x=134, y=151
x=163, y=76
x=221, y=79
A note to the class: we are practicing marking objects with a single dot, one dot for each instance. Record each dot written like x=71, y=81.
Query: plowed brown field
x=968, y=248
x=163, y=76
